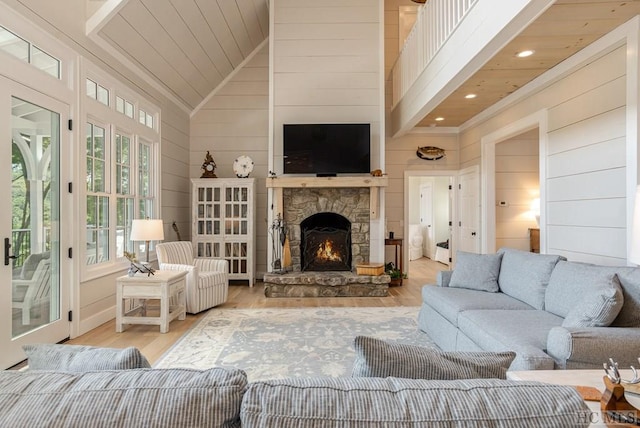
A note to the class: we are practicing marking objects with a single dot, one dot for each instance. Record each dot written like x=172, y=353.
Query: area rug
x=277, y=342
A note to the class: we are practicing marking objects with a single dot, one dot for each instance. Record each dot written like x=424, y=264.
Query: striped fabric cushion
x=377, y=358
x=77, y=358
x=127, y=398
x=392, y=402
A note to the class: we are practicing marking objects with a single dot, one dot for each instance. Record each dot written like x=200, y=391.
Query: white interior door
x=36, y=296
x=469, y=211
x=426, y=219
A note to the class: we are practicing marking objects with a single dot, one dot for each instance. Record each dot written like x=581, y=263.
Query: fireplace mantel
x=373, y=183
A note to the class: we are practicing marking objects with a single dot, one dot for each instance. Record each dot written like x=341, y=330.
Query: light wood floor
x=153, y=344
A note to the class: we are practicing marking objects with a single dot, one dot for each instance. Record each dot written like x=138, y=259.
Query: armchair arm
x=443, y=278
x=172, y=266
x=211, y=265
x=589, y=347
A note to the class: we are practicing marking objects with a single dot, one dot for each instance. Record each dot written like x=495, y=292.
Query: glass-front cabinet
x=224, y=223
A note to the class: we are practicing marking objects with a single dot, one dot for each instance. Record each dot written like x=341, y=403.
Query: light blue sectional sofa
x=555, y=314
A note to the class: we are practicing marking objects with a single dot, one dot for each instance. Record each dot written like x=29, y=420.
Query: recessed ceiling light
x=470, y=96
x=439, y=119
x=525, y=54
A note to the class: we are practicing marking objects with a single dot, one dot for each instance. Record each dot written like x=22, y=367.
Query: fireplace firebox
x=325, y=243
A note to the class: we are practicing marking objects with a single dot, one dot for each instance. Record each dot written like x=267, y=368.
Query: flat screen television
x=327, y=149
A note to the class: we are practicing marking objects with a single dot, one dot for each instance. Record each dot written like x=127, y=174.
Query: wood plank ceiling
x=188, y=46
x=561, y=31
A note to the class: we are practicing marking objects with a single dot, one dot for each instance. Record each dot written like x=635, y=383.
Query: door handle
x=7, y=248
x=473, y=234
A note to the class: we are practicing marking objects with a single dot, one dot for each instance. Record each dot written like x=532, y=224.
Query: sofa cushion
x=524, y=332
x=476, y=271
x=77, y=358
x=597, y=307
x=450, y=302
x=123, y=398
x=384, y=402
x=572, y=279
x=525, y=275
x=377, y=358
x=629, y=315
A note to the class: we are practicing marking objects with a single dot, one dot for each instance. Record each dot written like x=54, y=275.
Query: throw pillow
x=525, y=276
x=571, y=280
x=476, y=271
x=598, y=307
x=77, y=358
x=377, y=358
x=629, y=315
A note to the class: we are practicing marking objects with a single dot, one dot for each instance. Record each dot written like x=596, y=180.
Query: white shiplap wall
x=517, y=184
x=586, y=159
x=234, y=122
x=326, y=66
x=586, y=178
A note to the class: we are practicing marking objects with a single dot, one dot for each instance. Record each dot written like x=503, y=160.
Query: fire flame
x=325, y=252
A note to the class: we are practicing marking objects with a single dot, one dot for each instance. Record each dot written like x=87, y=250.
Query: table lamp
x=147, y=230
x=634, y=252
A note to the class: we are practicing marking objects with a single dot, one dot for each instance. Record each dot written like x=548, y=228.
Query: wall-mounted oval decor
x=430, y=153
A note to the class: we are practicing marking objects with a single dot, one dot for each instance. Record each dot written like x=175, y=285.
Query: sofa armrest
x=443, y=278
x=590, y=347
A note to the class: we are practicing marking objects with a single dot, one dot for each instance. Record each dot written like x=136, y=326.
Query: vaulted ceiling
x=186, y=48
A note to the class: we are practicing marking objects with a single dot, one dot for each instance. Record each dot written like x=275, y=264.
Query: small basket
x=370, y=269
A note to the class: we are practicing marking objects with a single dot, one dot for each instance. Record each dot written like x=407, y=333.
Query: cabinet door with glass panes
x=224, y=223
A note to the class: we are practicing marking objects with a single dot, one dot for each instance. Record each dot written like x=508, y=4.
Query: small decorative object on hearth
x=278, y=232
x=613, y=404
x=377, y=173
x=208, y=167
x=430, y=153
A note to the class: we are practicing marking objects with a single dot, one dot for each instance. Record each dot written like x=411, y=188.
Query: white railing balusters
x=436, y=20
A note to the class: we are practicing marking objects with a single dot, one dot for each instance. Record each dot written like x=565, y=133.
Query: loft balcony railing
x=436, y=21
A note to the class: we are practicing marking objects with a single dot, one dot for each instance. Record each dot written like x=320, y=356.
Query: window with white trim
x=122, y=158
x=28, y=52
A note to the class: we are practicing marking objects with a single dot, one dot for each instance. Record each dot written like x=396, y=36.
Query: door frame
x=488, y=175
x=453, y=212
x=60, y=329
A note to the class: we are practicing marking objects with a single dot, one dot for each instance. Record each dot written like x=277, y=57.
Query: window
x=122, y=182
x=25, y=51
x=125, y=107
x=97, y=199
x=124, y=195
x=97, y=92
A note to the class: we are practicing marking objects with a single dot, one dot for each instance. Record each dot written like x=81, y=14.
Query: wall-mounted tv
x=327, y=149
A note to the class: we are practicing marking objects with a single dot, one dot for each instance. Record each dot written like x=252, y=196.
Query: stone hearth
x=325, y=284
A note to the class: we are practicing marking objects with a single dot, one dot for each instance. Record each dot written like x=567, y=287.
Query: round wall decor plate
x=243, y=166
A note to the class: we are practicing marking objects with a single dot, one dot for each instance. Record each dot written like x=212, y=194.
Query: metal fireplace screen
x=326, y=248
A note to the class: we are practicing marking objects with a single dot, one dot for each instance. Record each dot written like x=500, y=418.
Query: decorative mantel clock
x=243, y=166
x=208, y=167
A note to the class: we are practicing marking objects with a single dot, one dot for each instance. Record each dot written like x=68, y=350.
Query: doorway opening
x=517, y=190
x=429, y=217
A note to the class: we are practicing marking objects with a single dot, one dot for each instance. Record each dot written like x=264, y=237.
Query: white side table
x=162, y=285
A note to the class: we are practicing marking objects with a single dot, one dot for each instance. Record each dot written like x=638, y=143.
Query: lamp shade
x=634, y=253
x=147, y=230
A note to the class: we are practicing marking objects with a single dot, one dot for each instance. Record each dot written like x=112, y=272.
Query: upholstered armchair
x=207, y=278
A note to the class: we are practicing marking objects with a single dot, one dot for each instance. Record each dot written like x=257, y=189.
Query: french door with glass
x=35, y=289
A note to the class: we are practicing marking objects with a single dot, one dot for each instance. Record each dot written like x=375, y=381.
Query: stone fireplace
x=342, y=213
x=329, y=229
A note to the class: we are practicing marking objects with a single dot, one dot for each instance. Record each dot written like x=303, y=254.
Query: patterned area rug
x=278, y=343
